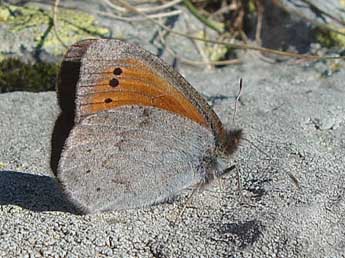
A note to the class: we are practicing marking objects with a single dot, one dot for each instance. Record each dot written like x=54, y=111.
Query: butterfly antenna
x=238, y=176
x=237, y=100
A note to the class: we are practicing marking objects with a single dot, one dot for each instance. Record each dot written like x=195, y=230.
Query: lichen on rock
x=32, y=27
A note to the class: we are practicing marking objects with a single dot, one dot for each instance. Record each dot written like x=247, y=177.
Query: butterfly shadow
x=33, y=192
x=243, y=234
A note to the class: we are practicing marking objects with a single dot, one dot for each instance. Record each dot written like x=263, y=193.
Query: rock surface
x=30, y=33
x=330, y=12
x=289, y=111
x=292, y=112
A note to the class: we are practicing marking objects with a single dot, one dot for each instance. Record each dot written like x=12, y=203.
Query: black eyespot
x=113, y=82
x=117, y=71
x=88, y=171
x=98, y=189
x=108, y=100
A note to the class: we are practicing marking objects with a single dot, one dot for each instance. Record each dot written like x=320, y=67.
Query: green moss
x=329, y=38
x=251, y=6
x=18, y=76
x=34, y=27
x=217, y=52
x=2, y=56
x=4, y=14
x=333, y=67
x=213, y=51
x=38, y=25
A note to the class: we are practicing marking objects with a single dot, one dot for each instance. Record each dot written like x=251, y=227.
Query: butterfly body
x=131, y=132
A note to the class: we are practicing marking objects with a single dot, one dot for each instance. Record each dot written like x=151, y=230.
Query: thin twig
x=193, y=62
x=202, y=63
x=233, y=45
x=219, y=27
x=160, y=7
x=143, y=9
x=200, y=48
x=315, y=7
x=136, y=19
x=314, y=22
x=55, y=21
x=115, y=7
x=260, y=11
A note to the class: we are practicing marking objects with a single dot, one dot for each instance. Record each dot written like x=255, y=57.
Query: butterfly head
x=230, y=142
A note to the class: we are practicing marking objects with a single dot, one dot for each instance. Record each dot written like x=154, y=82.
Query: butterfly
x=132, y=132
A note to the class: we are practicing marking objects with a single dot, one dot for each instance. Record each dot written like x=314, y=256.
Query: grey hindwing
x=132, y=156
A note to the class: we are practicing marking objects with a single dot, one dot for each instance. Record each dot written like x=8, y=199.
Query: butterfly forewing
x=114, y=73
x=132, y=131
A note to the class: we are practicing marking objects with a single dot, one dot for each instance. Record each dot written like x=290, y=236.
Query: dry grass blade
x=139, y=18
x=193, y=62
x=55, y=20
x=146, y=10
x=219, y=27
x=169, y=4
x=317, y=24
x=233, y=45
x=115, y=7
x=315, y=7
x=260, y=11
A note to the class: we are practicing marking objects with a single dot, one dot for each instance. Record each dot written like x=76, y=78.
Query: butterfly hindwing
x=132, y=156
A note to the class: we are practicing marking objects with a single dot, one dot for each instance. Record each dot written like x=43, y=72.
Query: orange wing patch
x=134, y=83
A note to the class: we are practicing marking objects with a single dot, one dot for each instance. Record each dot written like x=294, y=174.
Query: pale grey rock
x=277, y=106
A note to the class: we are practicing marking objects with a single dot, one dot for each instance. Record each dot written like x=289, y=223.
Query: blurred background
x=205, y=34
